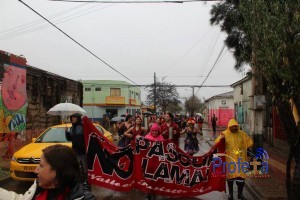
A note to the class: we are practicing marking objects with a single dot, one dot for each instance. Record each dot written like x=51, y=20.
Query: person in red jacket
x=166, y=126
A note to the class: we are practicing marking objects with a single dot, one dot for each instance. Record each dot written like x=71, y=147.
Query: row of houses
x=258, y=118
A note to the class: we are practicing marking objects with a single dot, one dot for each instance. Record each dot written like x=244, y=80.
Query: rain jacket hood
x=78, y=116
x=232, y=122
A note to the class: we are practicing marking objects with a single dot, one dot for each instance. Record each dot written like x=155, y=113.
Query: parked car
x=24, y=161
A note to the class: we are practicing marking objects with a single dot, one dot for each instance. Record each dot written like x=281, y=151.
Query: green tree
x=266, y=34
x=166, y=94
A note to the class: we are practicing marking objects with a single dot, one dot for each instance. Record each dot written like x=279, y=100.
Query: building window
x=87, y=89
x=115, y=92
x=223, y=102
x=98, y=89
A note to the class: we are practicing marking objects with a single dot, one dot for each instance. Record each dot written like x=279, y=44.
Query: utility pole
x=154, y=92
x=193, y=101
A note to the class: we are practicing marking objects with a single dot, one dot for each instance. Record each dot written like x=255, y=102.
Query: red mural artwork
x=14, y=87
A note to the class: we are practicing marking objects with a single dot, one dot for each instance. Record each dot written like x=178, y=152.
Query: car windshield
x=53, y=135
x=56, y=135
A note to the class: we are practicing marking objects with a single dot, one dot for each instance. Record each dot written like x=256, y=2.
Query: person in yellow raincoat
x=236, y=144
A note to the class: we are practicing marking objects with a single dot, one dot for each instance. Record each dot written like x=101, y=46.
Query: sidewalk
x=271, y=187
x=4, y=167
x=274, y=186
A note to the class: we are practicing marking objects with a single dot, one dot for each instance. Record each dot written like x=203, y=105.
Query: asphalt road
x=106, y=194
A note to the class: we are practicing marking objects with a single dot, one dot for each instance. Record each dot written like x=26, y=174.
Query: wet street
x=106, y=194
x=205, y=144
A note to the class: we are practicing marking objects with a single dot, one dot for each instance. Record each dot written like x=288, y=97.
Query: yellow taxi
x=24, y=161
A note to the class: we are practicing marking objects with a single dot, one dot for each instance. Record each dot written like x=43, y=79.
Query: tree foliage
x=166, y=94
x=266, y=34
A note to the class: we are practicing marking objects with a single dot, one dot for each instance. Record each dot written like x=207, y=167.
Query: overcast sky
x=174, y=40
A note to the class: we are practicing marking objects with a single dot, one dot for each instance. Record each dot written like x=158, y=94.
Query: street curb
x=253, y=192
x=4, y=178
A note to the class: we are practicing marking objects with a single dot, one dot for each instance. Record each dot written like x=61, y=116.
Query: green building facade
x=110, y=97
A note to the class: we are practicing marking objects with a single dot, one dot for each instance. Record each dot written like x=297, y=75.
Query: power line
x=189, y=50
x=127, y=2
x=210, y=54
x=146, y=76
x=17, y=28
x=212, y=66
x=30, y=26
x=161, y=85
x=78, y=43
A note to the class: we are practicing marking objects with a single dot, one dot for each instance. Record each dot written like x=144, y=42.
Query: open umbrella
x=64, y=109
x=117, y=119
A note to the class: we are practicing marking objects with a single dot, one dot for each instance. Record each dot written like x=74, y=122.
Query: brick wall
x=44, y=90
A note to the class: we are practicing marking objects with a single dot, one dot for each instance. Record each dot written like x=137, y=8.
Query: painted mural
x=13, y=98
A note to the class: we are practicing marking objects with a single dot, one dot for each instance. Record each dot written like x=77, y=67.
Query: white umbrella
x=117, y=119
x=64, y=109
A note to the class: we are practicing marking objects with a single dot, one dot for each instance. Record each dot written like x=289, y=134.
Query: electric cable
x=127, y=2
x=17, y=28
x=212, y=67
x=59, y=21
x=189, y=50
x=77, y=42
x=210, y=53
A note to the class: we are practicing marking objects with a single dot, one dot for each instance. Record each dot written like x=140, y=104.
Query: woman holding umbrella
x=75, y=135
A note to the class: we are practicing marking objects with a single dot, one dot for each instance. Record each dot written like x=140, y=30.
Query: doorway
x=110, y=113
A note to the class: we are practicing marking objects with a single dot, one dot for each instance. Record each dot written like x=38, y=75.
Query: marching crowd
x=68, y=179
x=172, y=127
x=160, y=128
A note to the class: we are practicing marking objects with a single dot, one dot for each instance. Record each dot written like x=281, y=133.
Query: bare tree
x=193, y=104
x=166, y=94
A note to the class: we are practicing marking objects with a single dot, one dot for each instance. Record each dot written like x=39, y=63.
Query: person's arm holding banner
x=220, y=137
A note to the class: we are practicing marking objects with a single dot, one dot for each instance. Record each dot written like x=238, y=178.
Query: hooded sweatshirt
x=159, y=137
x=76, y=135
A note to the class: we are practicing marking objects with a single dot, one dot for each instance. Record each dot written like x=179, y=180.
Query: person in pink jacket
x=155, y=133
